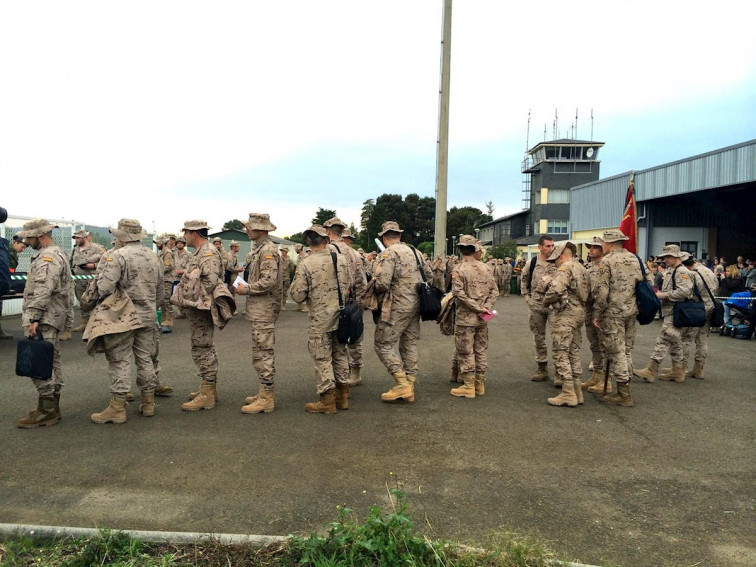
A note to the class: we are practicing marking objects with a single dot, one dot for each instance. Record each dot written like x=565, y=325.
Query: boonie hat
x=671, y=250
x=36, y=227
x=389, y=226
x=233, y=243
x=596, y=241
x=467, y=240
x=181, y=239
x=195, y=225
x=614, y=235
x=558, y=249
x=335, y=221
x=218, y=239
x=80, y=234
x=128, y=230
x=317, y=229
x=346, y=234
x=259, y=221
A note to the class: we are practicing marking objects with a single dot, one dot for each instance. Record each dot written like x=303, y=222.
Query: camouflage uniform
x=591, y=332
x=538, y=315
x=315, y=283
x=615, y=307
x=505, y=278
x=704, y=279
x=263, y=305
x=439, y=273
x=475, y=291
x=301, y=255
x=670, y=337
x=168, y=262
x=396, y=272
x=90, y=253
x=287, y=272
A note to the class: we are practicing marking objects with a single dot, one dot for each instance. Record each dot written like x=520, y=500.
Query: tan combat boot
x=543, y=372
x=193, y=395
x=65, y=335
x=355, y=379
x=480, y=384
x=649, y=372
x=253, y=399
x=326, y=404
x=402, y=389
x=342, y=396
x=265, y=401
x=676, y=374
x=114, y=413
x=205, y=398
x=164, y=390
x=576, y=386
x=599, y=388
x=596, y=378
x=697, y=372
x=622, y=397
x=567, y=397
x=147, y=407
x=467, y=389
x=45, y=414
x=82, y=325
x=665, y=371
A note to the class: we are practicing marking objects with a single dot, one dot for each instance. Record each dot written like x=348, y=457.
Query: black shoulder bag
x=350, y=314
x=688, y=313
x=34, y=358
x=717, y=316
x=430, y=296
x=645, y=298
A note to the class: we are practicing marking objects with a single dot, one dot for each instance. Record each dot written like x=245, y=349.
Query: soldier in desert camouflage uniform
x=45, y=308
x=316, y=283
x=354, y=350
x=566, y=294
x=287, y=273
x=181, y=259
x=263, y=291
x=614, y=311
x=218, y=243
x=396, y=276
x=84, y=259
x=677, y=286
x=165, y=254
x=301, y=255
x=596, y=382
x=475, y=291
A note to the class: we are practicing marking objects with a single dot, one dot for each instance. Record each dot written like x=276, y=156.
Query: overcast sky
x=167, y=111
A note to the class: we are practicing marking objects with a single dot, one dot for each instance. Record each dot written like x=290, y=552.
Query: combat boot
x=147, y=407
x=129, y=397
x=114, y=413
x=82, y=325
x=676, y=374
x=402, y=389
x=455, y=372
x=665, y=371
x=622, y=397
x=576, y=386
x=567, y=397
x=342, y=396
x=326, y=404
x=599, y=388
x=45, y=414
x=193, y=395
x=355, y=379
x=205, y=398
x=596, y=378
x=480, y=384
x=542, y=374
x=264, y=402
x=697, y=372
x=164, y=390
x=65, y=335
x=252, y=399
x=467, y=389
x=649, y=372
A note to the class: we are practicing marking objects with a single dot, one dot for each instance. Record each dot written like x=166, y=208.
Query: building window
x=556, y=227
x=558, y=196
x=689, y=247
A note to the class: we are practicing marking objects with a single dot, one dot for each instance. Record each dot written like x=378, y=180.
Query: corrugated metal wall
x=599, y=204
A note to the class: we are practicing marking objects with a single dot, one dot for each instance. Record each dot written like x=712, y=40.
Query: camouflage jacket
x=46, y=294
x=315, y=282
x=474, y=287
x=169, y=263
x=396, y=271
x=683, y=288
x=265, y=283
x=89, y=254
x=614, y=292
x=359, y=278
x=568, y=287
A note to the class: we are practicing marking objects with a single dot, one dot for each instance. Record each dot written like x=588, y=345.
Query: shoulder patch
x=268, y=257
x=167, y=262
x=384, y=255
x=685, y=276
x=47, y=259
x=562, y=269
x=209, y=254
x=108, y=259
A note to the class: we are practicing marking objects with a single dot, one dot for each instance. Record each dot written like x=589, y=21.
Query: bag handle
x=338, y=285
x=419, y=266
x=643, y=268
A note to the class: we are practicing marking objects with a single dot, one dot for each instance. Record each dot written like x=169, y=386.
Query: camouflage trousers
x=263, y=355
x=49, y=387
x=118, y=350
x=669, y=339
x=330, y=357
x=354, y=352
x=79, y=287
x=566, y=340
x=285, y=292
x=203, y=349
x=594, y=340
x=167, y=308
x=537, y=319
x=471, y=347
x=697, y=339
x=618, y=338
x=404, y=330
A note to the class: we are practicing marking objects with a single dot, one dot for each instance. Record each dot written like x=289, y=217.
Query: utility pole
x=442, y=149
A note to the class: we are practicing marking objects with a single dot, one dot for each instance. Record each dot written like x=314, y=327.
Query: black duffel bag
x=350, y=315
x=429, y=295
x=689, y=313
x=34, y=358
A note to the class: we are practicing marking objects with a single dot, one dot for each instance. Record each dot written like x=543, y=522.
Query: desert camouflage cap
x=80, y=234
x=317, y=229
x=297, y=247
x=595, y=241
x=233, y=243
x=195, y=225
x=170, y=235
x=181, y=239
x=671, y=250
x=467, y=240
x=37, y=228
x=346, y=233
x=389, y=226
x=259, y=221
x=558, y=249
x=218, y=239
x=687, y=258
x=128, y=230
x=334, y=221
x=614, y=235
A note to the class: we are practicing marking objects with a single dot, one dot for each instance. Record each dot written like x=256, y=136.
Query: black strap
x=695, y=287
x=703, y=280
x=338, y=285
x=419, y=266
x=643, y=268
x=530, y=273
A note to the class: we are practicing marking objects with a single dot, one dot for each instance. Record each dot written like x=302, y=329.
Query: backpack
x=645, y=297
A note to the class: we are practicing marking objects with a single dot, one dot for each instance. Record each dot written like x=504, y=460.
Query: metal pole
x=442, y=149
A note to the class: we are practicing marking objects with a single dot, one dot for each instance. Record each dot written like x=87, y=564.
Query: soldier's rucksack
x=645, y=297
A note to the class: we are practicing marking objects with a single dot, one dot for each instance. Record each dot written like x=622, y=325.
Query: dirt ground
x=668, y=482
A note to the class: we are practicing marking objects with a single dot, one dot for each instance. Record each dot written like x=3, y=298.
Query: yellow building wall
x=544, y=196
x=543, y=226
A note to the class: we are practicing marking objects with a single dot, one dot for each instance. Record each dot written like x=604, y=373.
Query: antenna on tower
x=591, y=124
x=527, y=134
x=576, y=114
x=556, y=123
x=544, y=131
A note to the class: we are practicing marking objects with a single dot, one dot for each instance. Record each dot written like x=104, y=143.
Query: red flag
x=629, y=224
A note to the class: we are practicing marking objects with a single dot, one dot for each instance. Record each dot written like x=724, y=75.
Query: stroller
x=743, y=306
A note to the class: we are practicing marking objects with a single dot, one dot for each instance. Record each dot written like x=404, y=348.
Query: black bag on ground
x=645, y=298
x=430, y=296
x=350, y=315
x=34, y=358
x=688, y=313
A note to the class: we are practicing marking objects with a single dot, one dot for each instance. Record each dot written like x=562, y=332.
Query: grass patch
x=380, y=539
